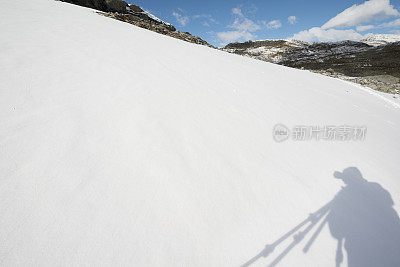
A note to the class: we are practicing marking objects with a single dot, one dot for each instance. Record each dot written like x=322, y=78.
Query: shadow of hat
x=349, y=174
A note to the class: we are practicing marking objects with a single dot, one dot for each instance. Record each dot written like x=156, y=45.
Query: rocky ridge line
x=135, y=15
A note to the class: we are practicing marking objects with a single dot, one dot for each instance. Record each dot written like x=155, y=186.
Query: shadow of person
x=363, y=220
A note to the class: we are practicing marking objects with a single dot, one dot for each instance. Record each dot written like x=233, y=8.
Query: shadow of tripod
x=298, y=236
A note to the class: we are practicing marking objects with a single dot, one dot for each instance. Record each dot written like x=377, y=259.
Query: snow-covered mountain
x=272, y=50
x=277, y=50
x=380, y=64
x=280, y=50
x=381, y=39
x=121, y=147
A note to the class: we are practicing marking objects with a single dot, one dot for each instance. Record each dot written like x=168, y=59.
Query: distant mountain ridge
x=381, y=39
x=377, y=55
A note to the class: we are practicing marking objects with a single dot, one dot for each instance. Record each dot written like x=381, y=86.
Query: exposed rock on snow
x=267, y=50
x=381, y=39
x=135, y=8
x=280, y=51
x=344, y=59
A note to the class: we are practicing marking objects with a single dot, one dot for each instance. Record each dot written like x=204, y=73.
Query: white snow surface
x=381, y=39
x=123, y=147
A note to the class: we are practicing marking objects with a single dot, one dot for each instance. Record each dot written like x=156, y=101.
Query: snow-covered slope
x=381, y=39
x=121, y=147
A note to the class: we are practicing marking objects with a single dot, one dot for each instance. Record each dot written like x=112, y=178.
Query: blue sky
x=221, y=22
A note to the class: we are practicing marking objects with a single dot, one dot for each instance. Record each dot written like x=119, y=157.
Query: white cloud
x=181, y=19
x=207, y=19
x=318, y=34
x=394, y=23
x=201, y=16
x=363, y=28
x=237, y=11
x=363, y=13
x=355, y=16
x=292, y=20
x=252, y=9
x=274, y=24
x=232, y=36
x=244, y=24
x=243, y=28
x=390, y=24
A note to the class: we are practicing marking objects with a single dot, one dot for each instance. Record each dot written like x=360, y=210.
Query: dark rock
x=116, y=6
x=95, y=4
x=135, y=8
x=102, y=5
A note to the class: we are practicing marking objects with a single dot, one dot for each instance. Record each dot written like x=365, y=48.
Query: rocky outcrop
x=116, y=6
x=102, y=5
x=143, y=21
x=354, y=59
x=267, y=50
x=377, y=67
x=133, y=14
x=135, y=8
